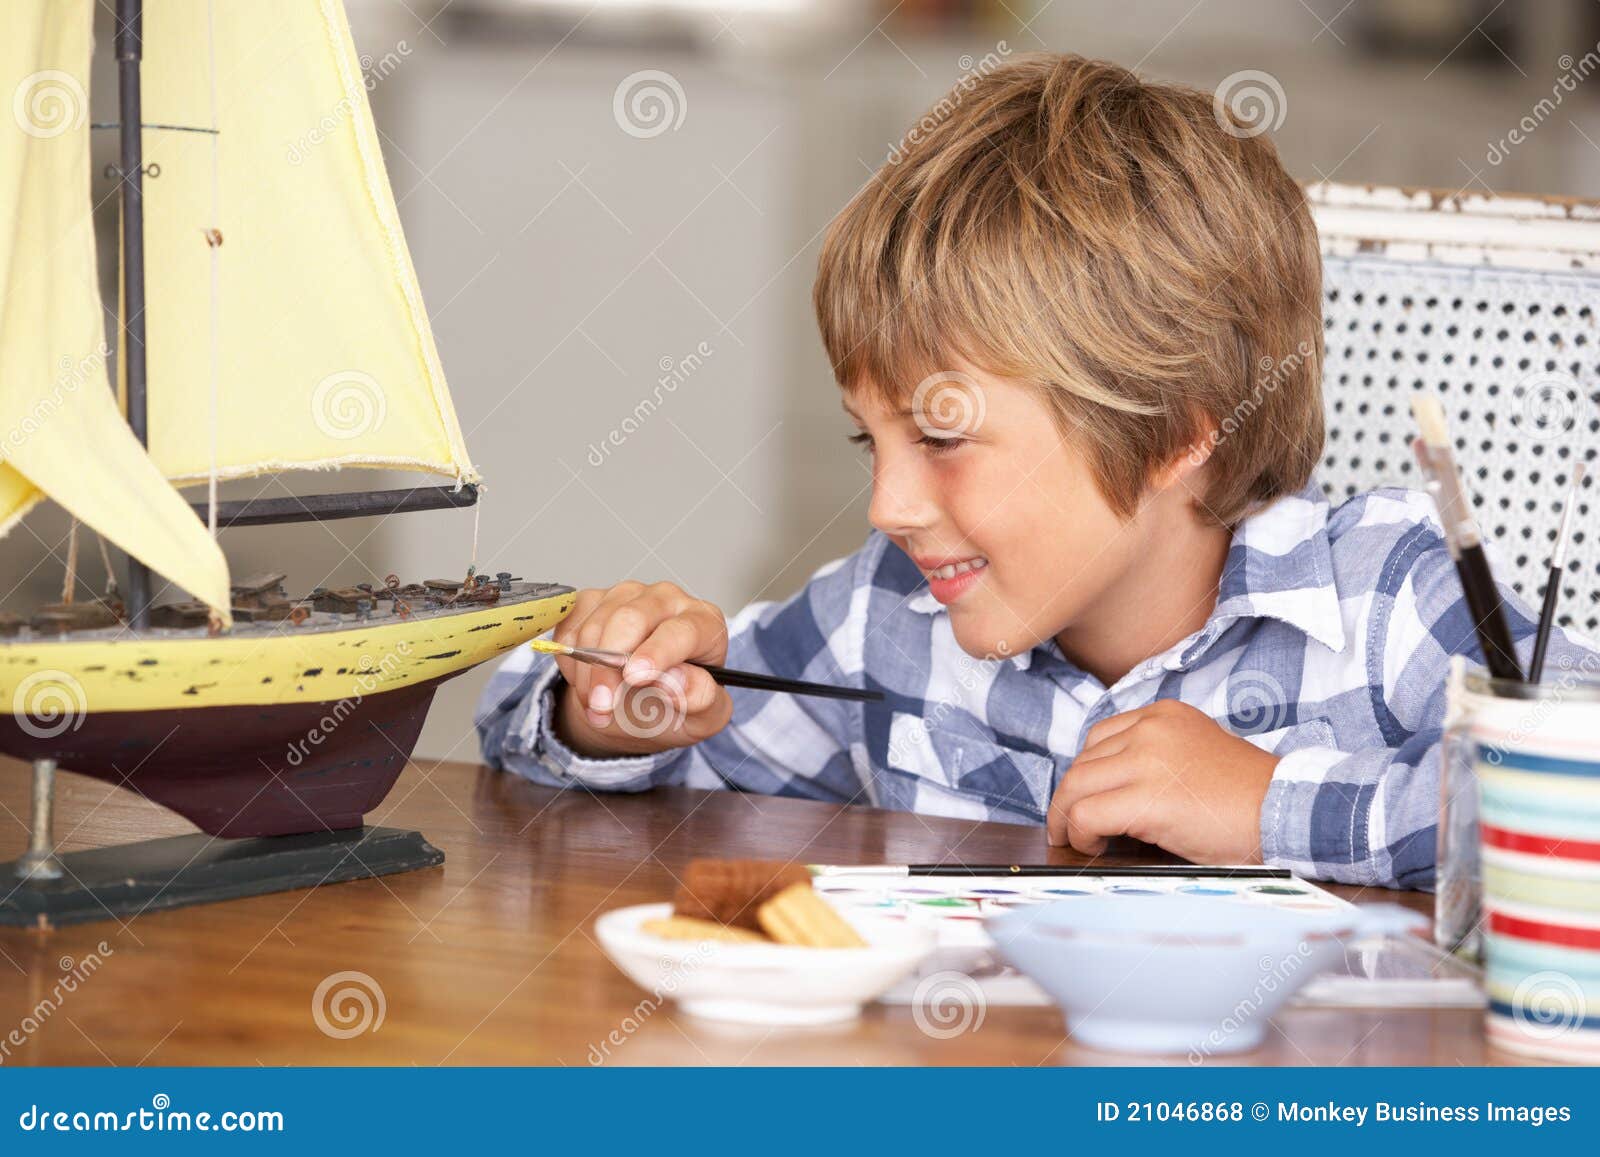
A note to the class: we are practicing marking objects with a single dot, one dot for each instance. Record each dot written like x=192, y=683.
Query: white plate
x=763, y=983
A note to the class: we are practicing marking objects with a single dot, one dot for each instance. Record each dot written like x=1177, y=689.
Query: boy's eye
x=863, y=439
x=940, y=445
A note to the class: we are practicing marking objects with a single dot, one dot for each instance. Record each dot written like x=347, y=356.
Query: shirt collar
x=1279, y=566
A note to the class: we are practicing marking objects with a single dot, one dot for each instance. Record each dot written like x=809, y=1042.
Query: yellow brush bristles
x=1425, y=408
x=549, y=646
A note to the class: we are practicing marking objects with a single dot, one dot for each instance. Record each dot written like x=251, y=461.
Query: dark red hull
x=272, y=770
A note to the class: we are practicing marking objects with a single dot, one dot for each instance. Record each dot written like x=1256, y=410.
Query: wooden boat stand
x=43, y=890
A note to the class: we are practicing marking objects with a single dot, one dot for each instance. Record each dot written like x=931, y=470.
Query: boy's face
x=974, y=481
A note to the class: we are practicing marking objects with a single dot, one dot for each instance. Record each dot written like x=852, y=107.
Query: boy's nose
x=897, y=508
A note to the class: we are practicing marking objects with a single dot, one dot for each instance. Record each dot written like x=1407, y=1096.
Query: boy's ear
x=1191, y=458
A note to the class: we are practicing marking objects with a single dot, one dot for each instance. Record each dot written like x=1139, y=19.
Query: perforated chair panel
x=1513, y=356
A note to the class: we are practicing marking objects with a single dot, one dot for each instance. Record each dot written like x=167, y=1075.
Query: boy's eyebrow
x=902, y=412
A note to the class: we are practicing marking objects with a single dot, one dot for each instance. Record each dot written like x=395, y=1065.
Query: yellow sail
x=61, y=434
x=313, y=335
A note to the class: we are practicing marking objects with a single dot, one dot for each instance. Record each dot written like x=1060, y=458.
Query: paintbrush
x=1463, y=537
x=617, y=660
x=1183, y=871
x=1552, y=588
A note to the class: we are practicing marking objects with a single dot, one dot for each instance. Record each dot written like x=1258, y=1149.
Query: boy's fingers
x=696, y=634
x=1084, y=779
x=1091, y=821
x=1115, y=725
x=700, y=691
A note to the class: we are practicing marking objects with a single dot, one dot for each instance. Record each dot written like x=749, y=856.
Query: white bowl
x=1181, y=973
x=763, y=983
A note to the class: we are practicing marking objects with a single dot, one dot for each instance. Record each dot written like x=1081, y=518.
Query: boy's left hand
x=1167, y=774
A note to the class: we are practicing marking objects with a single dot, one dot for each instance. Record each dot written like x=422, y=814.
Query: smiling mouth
x=952, y=570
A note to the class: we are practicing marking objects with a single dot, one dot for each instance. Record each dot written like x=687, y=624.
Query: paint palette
x=959, y=905
x=1388, y=972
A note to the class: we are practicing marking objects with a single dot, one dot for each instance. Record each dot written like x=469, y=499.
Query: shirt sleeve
x=775, y=744
x=1371, y=816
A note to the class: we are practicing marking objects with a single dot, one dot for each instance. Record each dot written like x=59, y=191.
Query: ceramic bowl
x=771, y=984
x=1177, y=974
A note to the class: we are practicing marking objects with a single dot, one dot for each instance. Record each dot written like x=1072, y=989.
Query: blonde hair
x=1129, y=248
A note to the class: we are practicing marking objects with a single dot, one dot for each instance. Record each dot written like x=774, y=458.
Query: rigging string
x=105, y=559
x=71, y=579
x=477, y=516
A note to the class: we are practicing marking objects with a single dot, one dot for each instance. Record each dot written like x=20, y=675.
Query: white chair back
x=1490, y=303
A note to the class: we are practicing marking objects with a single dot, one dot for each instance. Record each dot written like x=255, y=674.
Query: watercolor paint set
x=1390, y=971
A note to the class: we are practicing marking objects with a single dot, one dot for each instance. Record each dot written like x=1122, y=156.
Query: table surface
x=491, y=959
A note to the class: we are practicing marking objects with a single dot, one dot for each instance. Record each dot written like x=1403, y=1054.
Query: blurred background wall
x=615, y=207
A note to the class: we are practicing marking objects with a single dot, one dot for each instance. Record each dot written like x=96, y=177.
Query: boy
x=1077, y=326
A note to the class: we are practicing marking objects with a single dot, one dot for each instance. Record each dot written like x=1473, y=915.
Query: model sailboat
x=269, y=301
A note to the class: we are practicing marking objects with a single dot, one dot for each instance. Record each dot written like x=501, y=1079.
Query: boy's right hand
x=660, y=701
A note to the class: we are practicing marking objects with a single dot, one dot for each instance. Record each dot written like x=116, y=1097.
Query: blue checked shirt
x=1329, y=646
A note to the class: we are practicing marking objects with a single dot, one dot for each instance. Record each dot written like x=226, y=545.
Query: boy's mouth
x=949, y=579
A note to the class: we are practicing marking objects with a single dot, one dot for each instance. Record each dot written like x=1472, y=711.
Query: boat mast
x=129, y=47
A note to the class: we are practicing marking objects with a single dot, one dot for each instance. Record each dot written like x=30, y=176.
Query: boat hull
x=255, y=770
x=269, y=730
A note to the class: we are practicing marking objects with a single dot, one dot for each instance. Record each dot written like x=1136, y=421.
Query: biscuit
x=799, y=916
x=730, y=891
x=689, y=928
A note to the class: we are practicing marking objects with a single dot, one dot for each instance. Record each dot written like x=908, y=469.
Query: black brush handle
x=1488, y=615
x=1180, y=871
x=755, y=682
x=1547, y=621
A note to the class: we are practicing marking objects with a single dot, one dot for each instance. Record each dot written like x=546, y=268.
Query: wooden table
x=491, y=960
